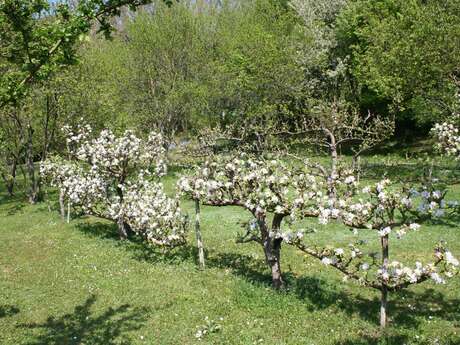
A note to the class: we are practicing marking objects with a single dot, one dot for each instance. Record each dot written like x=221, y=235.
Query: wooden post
x=62, y=204
x=384, y=308
x=68, y=212
x=384, y=297
x=199, y=240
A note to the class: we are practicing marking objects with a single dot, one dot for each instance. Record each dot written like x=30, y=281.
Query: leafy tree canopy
x=404, y=54
x=37, y=38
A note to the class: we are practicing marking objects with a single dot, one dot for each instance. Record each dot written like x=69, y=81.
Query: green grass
x=78, y=284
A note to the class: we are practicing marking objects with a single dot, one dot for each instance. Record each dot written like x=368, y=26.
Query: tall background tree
x=404, y=55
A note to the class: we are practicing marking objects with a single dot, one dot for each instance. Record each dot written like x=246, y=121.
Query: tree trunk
x=62, y=204
x=384, y=297
x=11, y=180
x=272, y=250
x=122, y=231
x=68, y=211
x=333, y=176
x=384, y=307
x=199, y=240
x=331, y=184
x=123, y=228
x=34, y=181
x=273, y=259
x=357, y=167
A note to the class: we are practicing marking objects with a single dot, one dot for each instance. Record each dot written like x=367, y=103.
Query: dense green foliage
x=38, y=38
x=271, y=65
x=184, y=68
x=404, y=55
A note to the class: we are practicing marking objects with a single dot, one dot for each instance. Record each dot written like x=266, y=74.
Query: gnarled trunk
x=10, y=179
x=272, y=255
x=272, y=250
x=123, y=228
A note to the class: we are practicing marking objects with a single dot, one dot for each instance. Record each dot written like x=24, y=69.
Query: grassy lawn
x=78, y=284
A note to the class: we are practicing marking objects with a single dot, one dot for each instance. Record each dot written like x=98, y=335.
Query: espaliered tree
x=268, y=189
x=329, y=127
x=111, y=177
x=386, y=209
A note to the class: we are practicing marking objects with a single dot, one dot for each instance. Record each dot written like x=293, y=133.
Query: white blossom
x=108, y=177
x=326, y=261
x=385, y=231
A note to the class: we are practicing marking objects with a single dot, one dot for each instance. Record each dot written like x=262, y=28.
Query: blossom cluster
x=114, y=155
x=448, y=138
x=152, y=214
x=261, y=186
x=108, y=177
x=386, y=208
x=75, y=135
x=81, y=187
x=365, y=269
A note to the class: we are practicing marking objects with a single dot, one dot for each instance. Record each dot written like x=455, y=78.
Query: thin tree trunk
x=357, y=168
x=34, y=184
x=384, y=297
x=199, y=240
x=11, y=181
x=333, y=176
x=384, y=307
x=123, y=228
x=48, y=203
x=62, y=204
x=24, y=175
x=331, y=185
x=68, y=211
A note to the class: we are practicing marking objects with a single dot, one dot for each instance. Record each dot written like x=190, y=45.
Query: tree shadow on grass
x=241, y=265
x=8, y=310
x=427, y=304
x=83, y=327
x=141, y=251
x=12, y=205
x=315, y=292
x=450, y=220
x=136, y=246
x=397, y=339
x=406, y=308
x=106, y=231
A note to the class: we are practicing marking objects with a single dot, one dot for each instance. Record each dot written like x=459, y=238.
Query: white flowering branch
x=447, y=138
x=108, y=177
x=384, y=208
x=262, y=187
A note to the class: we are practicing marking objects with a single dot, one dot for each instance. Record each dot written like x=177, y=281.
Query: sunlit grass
x=78, y=284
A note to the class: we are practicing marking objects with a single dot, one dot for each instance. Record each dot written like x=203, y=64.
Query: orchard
x=243, y=172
